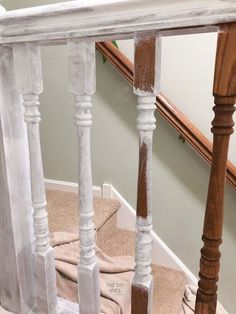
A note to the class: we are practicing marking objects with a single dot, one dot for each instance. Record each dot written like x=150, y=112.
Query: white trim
x=61, y=185
x=69, y=187
x=161, y=253
x=107, y=190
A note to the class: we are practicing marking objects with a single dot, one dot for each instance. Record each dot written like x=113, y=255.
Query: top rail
x=108, y=19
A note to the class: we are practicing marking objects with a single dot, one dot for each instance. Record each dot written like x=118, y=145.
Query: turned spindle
x=146, y=86
x=28, y=73
x=82, y=84
x=224, y=92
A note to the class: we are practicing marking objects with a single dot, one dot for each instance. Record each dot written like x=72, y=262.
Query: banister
x=168, y=110
x=79, y=24
x=90, y=19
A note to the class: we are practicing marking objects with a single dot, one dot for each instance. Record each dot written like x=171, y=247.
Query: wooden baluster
x=82, y=77
x=27, y=65
x=224, y=92
x=146, y=86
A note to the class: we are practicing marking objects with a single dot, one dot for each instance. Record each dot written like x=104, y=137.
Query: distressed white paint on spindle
x=17, y=290
x=27, y=65
x=81, y=54
x=88, y=18
x=146, y=124
x=143, y=251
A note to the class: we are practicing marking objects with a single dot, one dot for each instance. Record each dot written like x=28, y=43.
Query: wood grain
x=139, y=297
x=222, y=128
x=225, y=85
x=213, y=223
x=142, y=204
x=144, y=59
x=168, y=110
x=146, y=76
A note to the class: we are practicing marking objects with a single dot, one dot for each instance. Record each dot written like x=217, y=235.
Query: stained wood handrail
x=169, y=111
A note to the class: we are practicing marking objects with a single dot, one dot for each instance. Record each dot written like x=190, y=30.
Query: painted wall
x=190, y=88
x=180, y=176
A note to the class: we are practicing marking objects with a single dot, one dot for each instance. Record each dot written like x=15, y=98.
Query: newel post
x=224, y=92
x=146, y=87
x=82, y=84
x=27, y=66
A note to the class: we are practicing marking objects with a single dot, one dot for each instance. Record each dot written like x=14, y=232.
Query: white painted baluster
x=27, y=65
x=146, y=86
x=82, y=74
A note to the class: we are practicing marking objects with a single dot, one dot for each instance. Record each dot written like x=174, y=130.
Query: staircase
x=28, y=277
x=169, y=283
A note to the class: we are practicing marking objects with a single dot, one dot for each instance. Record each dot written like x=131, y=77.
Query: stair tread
x=62, y=210
x=169, y=284
x=121, y=243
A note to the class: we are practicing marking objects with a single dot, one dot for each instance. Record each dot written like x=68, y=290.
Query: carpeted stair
x=63, y=214
x=169, y=284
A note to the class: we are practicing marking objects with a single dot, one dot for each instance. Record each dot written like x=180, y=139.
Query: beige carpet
x=63, y=211
x=113, y=271
x=169, y=284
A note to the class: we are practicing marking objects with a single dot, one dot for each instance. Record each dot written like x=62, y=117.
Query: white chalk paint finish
x=28, y=74
x=17, y=289
x=90, y=19
x=82, y=81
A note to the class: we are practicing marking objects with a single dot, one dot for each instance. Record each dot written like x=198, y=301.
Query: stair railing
x=79, y=26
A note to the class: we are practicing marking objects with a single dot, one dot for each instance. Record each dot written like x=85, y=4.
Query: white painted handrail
x=90, y=19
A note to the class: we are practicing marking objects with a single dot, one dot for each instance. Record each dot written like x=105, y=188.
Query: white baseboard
x=161, y=253
x=126, y=219
x=69, y=187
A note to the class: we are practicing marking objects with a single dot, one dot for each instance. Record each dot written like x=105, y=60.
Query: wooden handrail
x=169, y=111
